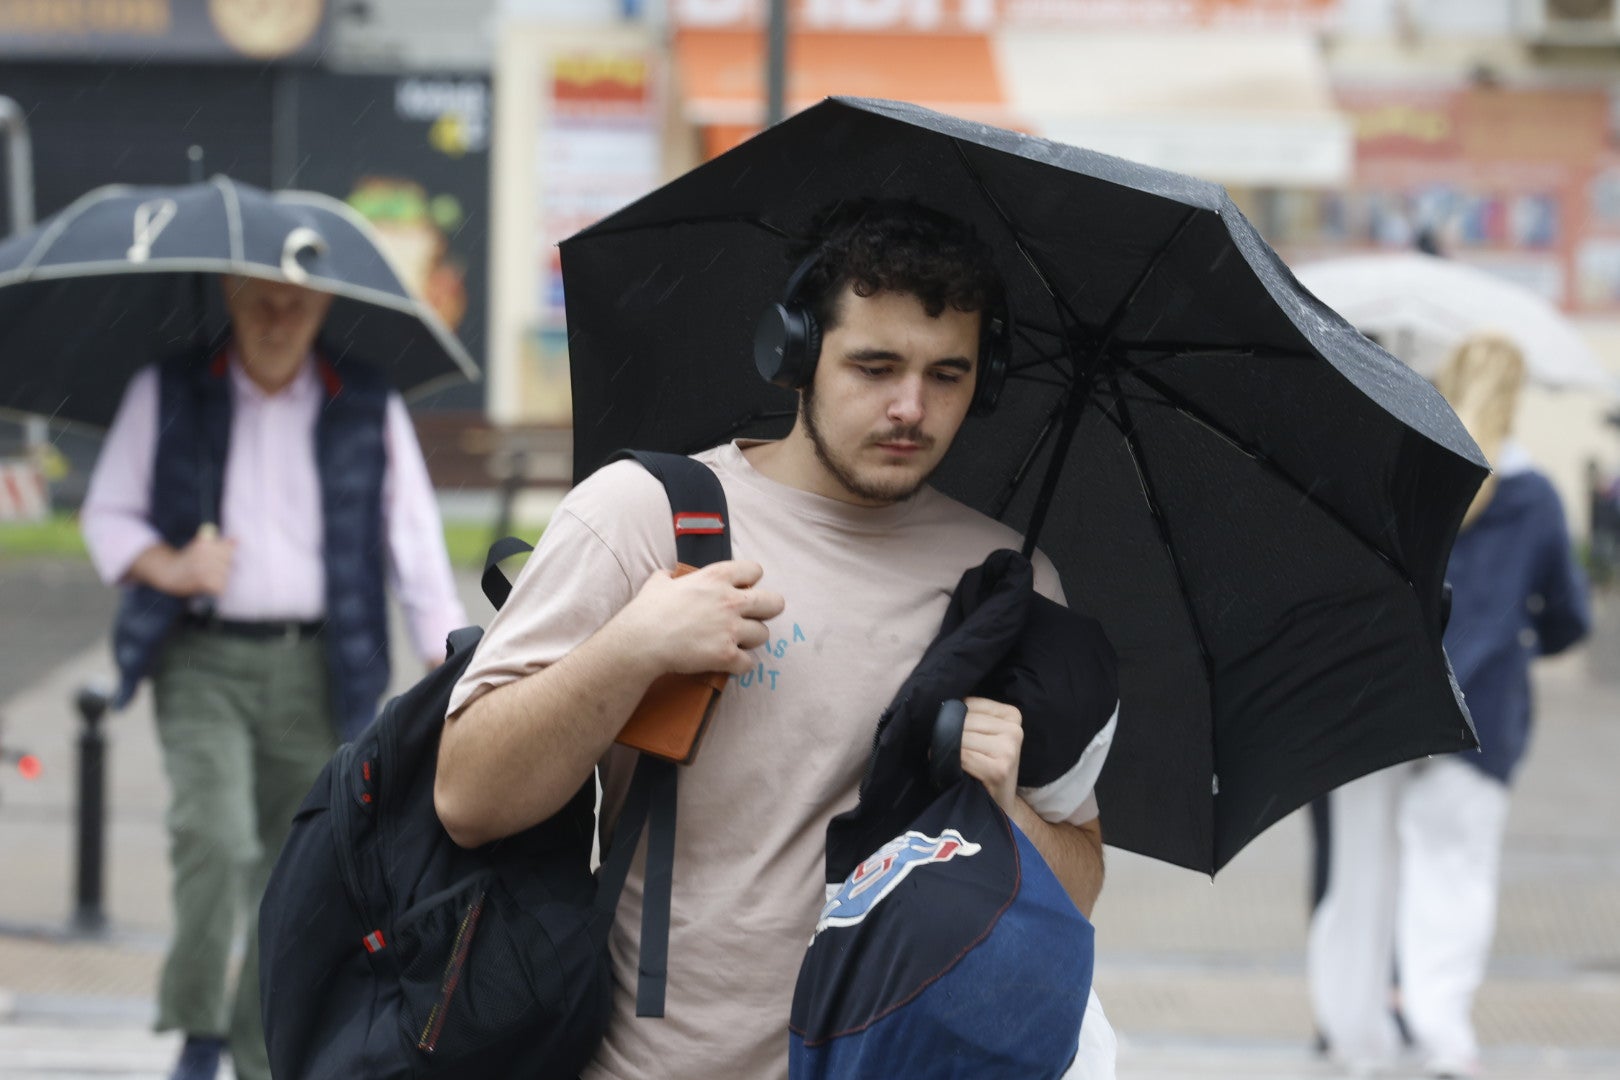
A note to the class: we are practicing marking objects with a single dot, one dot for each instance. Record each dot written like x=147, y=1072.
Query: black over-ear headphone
x=787, y=343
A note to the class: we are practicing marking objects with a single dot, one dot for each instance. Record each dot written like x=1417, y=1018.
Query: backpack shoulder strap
x=702, y=536
x=497, y=588
x=697, y=501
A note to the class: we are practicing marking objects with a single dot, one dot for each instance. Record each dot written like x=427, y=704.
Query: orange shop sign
x=979, y=16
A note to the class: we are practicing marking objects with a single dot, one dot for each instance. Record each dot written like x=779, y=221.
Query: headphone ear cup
x=812, y=347
x=993, y=361
x=786, y=341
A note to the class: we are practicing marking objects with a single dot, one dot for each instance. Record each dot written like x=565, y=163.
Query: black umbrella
x=1255, y=501
x=115, y=281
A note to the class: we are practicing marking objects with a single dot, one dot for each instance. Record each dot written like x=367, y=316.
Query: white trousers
x=1098, y=1047
x=1412, y=881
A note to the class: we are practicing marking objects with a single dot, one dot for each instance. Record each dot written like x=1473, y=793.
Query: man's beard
x=844, y=474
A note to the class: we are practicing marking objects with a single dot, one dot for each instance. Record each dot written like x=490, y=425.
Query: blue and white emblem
x=877, y=877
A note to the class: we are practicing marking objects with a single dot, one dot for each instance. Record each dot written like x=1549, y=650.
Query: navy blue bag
x=947, y=947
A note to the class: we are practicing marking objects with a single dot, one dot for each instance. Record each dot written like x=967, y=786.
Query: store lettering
x=966, y=15
x=1403, y=122
x=599, y=68
x=84, y=16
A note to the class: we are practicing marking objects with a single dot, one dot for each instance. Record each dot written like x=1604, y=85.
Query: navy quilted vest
x=194, y=422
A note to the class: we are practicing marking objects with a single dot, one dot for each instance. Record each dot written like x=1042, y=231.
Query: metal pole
x=88, y=915
x=20, y=187
x=776, y=64
x=19, y=164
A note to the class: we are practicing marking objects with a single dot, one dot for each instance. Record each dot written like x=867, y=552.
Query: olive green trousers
x=246, y=725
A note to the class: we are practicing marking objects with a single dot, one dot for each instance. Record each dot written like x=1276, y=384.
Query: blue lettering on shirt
x=766, y=677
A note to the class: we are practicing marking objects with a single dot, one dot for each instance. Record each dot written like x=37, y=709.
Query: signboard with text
x=979, y=16
x=599, y=147
x=224, y=30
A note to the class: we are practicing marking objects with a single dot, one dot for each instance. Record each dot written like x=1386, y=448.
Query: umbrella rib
x=1012, y=230
x=1016, y=481
x=1150, y=495
x=1171, y=349
x=1085, y=376
x=1180, y=404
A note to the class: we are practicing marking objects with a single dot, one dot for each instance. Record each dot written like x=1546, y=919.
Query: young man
x=266, y=637
x=844, y=563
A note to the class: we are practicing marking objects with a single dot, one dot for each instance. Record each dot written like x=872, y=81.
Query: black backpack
x=388, y=952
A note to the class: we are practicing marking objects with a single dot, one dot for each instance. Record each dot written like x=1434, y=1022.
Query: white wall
x=1464, y=18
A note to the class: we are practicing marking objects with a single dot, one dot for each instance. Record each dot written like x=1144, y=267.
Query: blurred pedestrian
x=1412, y=882
x=253, y=503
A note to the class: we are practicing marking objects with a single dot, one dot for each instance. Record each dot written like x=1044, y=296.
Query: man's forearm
x=516, y=755
x=1074, y=852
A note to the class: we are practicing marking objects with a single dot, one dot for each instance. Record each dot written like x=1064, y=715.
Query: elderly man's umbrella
x=1255, y=501
x=112, y=283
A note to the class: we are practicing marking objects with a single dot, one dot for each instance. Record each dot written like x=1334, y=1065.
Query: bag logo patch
x=878, y=876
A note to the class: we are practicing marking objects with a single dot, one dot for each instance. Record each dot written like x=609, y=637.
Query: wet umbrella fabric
x=1256, y=502
x=112, y=283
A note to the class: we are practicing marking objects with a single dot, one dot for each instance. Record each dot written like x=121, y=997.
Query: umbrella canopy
x=113, y=282
x=1255, y=501
x=1423, y=306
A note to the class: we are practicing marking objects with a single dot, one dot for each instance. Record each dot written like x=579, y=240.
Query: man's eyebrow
x=955, y=363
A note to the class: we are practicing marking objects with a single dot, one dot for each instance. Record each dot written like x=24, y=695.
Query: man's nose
x=906, y=406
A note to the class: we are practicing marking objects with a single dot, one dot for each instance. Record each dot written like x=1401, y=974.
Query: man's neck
x=792, y=462
x=271, y=379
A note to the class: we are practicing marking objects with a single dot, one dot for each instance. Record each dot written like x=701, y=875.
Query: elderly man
x=253, y=503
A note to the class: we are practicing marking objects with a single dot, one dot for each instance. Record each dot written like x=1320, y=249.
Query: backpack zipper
x=343, y=812
x=429, y=1041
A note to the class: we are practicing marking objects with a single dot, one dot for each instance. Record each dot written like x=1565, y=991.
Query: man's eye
x=950, y=378
x=872, y=372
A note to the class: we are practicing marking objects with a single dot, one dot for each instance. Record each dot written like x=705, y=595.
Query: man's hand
x=201, y=568
x=992, y=741
x=703, y=621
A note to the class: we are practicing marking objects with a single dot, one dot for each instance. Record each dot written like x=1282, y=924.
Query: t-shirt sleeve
x=606, y=537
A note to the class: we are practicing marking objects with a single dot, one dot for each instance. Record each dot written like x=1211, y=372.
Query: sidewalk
x=1200, y=979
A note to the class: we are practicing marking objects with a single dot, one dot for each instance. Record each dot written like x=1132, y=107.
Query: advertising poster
x=600, y=146
x=411, y=154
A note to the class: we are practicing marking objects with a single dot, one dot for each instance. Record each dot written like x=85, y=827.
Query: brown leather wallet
x=674, y=713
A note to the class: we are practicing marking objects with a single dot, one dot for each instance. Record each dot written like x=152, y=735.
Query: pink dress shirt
x=271, y=507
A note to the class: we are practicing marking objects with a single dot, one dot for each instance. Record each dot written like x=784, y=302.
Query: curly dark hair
x=896, y=245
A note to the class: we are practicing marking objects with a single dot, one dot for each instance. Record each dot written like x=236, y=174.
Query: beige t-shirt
x=865, y=590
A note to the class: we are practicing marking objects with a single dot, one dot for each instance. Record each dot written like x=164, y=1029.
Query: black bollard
x=88, y=916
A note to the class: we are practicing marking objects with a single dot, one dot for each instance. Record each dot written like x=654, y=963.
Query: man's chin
x=889, y=485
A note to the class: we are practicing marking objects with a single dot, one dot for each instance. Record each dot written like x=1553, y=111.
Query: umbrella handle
x=945, y=746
